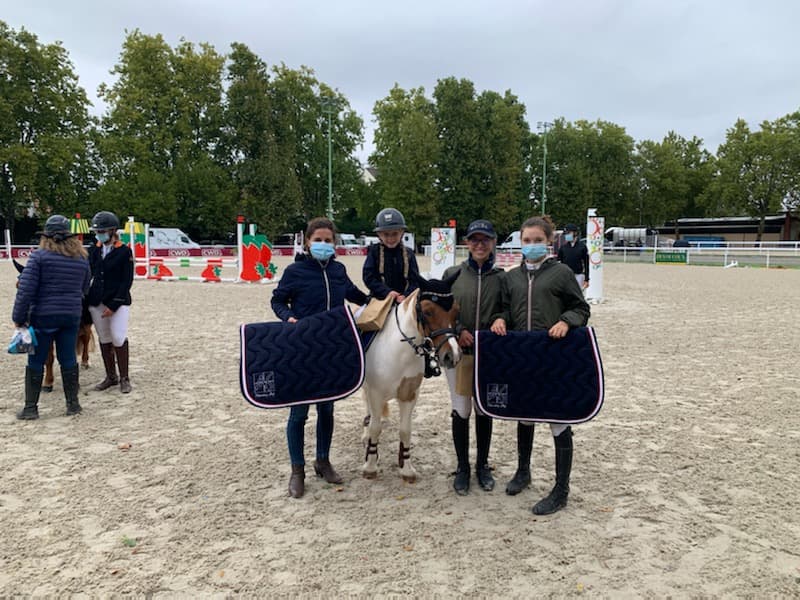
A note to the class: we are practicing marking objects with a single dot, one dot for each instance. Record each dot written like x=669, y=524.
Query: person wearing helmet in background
x=390, y=268
x=575, y=255
x=49, y=298
x=109, y=298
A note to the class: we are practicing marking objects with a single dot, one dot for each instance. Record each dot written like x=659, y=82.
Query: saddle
x=317, y=359
x=528, y=376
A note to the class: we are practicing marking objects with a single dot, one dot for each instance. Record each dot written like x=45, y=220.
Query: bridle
x=427, y=348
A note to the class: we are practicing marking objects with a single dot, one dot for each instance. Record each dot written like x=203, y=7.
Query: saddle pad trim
x=243, y=373
x=600, y=386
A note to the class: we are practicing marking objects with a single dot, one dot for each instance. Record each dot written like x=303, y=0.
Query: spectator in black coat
x=575, y=255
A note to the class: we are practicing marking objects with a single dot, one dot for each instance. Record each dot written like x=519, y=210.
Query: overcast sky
x=650, y=66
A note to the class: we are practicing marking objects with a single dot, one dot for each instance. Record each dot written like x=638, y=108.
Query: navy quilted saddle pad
x=528, y=376
x=319, y=358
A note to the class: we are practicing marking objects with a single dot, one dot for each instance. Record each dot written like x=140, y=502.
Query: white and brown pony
x=418, y=336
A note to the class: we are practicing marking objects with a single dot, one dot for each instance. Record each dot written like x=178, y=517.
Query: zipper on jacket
x=327, y=287
x=531, y=278
x=478, y=301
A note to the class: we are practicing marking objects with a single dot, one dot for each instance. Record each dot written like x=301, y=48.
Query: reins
x=426, y=349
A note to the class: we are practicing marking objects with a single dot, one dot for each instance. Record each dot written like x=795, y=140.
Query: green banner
x=671, y=256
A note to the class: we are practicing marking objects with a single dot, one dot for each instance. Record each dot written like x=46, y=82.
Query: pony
x=83, y=345
x=418, y=336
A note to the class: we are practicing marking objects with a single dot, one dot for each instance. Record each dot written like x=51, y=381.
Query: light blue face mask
x=102, y=237
x=534, y=252
x=322, y=250
x=569, y=237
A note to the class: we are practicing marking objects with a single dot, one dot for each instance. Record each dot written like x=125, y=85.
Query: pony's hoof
x=47, y=388
x=410, y=478
x=369, y=474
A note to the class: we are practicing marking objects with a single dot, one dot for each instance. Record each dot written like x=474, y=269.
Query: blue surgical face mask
x=534, y=252
x=569, y=237
x=322, y=250
x=102, y=237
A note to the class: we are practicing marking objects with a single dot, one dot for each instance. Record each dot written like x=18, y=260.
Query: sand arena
x=685, y=484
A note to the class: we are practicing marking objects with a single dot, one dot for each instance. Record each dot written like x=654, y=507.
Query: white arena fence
x=722, y=254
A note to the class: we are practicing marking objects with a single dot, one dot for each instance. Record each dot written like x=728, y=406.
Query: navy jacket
x=50, y=284
x=112, y=276
x=380, y=284
x=308, y=287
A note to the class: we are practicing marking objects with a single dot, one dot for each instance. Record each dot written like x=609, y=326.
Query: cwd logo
x=178, y=253
x=211, y=252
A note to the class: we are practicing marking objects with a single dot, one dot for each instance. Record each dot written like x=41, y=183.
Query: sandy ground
x=685, y=485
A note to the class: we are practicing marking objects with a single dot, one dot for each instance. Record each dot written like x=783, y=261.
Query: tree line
x=192, y=138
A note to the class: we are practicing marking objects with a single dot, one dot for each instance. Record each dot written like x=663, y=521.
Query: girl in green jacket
x=542, y=294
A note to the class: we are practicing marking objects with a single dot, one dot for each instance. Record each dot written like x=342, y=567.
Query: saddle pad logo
x=264, y=384
x=497, y=395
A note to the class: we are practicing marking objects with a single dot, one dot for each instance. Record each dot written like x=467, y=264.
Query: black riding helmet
x=104, y=221
x=57, y=228
x=389, y=219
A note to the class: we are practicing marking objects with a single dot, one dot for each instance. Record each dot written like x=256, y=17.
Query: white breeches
x=113, y=329
x=461, y=404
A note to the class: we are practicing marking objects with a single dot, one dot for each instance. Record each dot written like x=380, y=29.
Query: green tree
x=462, y=168
x=505, y=181
x=406, y=155
x=589, y=165
x=258, y=146
x=44, y=128
x=298, y=101
x=161, y=134
x=758, y=172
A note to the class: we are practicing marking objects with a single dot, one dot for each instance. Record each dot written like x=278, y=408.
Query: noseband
x=427, y=349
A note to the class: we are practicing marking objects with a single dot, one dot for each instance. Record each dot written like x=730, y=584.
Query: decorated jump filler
x=253, y=260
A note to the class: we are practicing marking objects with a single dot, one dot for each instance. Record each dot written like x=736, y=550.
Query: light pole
x=329, y=107
x=544, y=127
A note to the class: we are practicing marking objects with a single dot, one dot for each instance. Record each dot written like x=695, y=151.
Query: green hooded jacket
x=538, y=299
x=469, y=287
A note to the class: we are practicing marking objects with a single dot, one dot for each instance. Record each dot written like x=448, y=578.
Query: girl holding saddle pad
x=478, y=291
x=542, y=294
x=314, y=283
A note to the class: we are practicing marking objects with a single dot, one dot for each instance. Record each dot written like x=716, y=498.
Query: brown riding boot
x=297, y=483
x=323, y=468
x=107, y=351
x=122, y=359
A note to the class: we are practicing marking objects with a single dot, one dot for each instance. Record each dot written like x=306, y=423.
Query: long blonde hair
x=70, y=246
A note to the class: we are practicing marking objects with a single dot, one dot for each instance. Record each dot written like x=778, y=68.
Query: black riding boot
x=107, y=351
x=522, y=478
x=71, y=387
x=483, y=435
x=461, y=443
x=557, y=499
x=33, y=386
x=122, y=361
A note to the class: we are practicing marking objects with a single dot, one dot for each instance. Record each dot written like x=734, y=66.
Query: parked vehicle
x=347, y=240
x=512, y=242
x=169, y=237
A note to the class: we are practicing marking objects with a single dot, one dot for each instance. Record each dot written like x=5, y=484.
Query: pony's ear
x=452, y=279
x=418, y=279
x=17, y=265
